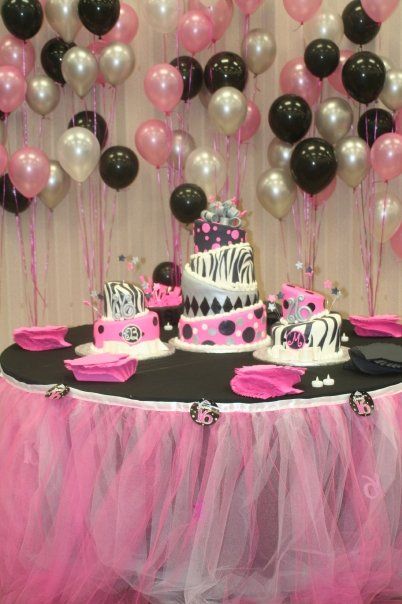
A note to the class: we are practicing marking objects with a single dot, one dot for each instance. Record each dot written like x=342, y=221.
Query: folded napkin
x=49, y=337
x=266, y=381
x=377, y=358
x=377, y=326
x=102, y=367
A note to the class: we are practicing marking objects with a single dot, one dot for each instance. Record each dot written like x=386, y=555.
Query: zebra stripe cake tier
x=222, y=308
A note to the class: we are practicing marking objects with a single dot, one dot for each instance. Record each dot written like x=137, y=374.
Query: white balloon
x=327, y=25
x=78, y=152
x=162, y=15
x=206, y=168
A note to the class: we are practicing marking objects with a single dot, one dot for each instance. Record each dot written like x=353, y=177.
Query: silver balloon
x=62, y=16
x=80, y=70
x=387, y=216
x=276, y=192
x=43, y=94
x=391, y=94
x=3, y=133
x=117, y=62
x=279, y=154
x=353, y=157
x=206, y=168
x=227, y=109
x=258, y=50
x=57, y=186
x=162, y=15
x=183, y=145
x=333, y=118
x=78, y=152
x=328, y=25
x=388, y=64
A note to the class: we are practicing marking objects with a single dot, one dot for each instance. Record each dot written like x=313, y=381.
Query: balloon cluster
x=108, y=60
x=312, y=163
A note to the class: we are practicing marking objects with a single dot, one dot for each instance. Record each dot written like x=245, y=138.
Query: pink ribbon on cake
x=377, y=326
x=266, y=381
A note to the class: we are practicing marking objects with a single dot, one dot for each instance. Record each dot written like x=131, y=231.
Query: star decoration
x=299, y=265
x=280, y=296
x=94, y=294
x=122, y=258
x=309, y=270
x=328, y=284
x=272, y=306
x=335, y=291
x=272, y=298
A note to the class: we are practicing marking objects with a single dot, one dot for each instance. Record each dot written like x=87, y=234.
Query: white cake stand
x=267, y=356
x=142, y=355
x=223, y=349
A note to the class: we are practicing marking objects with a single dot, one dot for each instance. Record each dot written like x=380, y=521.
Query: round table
x=112, y=494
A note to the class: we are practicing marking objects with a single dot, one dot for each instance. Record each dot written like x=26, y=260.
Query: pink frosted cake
x=127, y=326
x=307, y=332
x=222, y=308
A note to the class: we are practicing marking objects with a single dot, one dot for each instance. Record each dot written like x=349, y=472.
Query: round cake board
x=180, y=345
x=266, y=356
x=89, y=348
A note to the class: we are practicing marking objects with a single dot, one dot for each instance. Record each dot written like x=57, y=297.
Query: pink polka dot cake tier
x=222, y=308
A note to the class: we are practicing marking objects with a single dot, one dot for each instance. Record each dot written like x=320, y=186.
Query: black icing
x=248, y=335
x=187, y=332
x=227, y=328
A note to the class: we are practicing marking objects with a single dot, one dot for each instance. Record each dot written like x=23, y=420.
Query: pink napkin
x=102, y=367
x=266, y=381
x=48, y=337
x=377, y=326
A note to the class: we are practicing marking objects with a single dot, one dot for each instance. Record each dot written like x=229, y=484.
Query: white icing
x=223, y=348
x=221, y=315
x=319, y=315
x=139, y=351
x=223, y=285
x=229, y=267
x=137, y=316
x=122, y=300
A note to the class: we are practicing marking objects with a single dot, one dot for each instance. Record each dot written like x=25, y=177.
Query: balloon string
x=238, y=166
x=158, y=176
x=23, y=258
x=49, y=234
x=33, y=264
x=93, y=232
x=362, y=230
x=111, y=227
x=296, y=213
x=380, y=252
x=2, y=223
x=165, y=48
x=24, y=106
x=84, y=236
x=285, y=248
x=227, y=152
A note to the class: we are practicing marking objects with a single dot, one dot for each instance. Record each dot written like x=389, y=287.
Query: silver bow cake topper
x=224, y=212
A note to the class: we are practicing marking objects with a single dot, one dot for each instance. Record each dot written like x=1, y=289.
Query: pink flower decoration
x=272, y=298
x=327, y=284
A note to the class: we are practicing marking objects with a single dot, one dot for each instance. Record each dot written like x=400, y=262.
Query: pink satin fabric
x=106, y=504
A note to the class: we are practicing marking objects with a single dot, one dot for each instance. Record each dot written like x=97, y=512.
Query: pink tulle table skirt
x=130, y=502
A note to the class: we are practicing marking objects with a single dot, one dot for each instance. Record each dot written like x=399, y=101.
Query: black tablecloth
x=184, y=376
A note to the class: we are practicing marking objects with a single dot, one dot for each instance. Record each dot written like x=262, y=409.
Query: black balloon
x=91, y=121
x=225, y=69
x=23, y=18
x=321, y=57
x=167, y=273
x=363, y=76
x=118, y=167
x=51, y=57
x=12, y=200
x=99, y=16
x=2, y=116
x=290, y=118
x=374, y=123
x=187, y=202
x=358, y=26
x=313, y=165
x=192, y=74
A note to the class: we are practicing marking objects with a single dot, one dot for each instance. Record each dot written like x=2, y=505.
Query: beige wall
x=138, y=223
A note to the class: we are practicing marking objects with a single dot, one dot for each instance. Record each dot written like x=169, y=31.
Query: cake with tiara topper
x=222, y=307
x=308, y=333
x=127, y=326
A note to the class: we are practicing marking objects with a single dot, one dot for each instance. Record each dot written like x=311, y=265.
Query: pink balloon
x=396, y=243
x=163, y=86
x=335, y=79
x=195, y=31
x=248, y=6
x=154, y=141
x=3, y=160
x=29, y=171
x=295, y=78
x=251, y=123
x=96, y=48
x=325, y=194
x=126, y=27
x=12, y=88
x=301, y=10
x=379, y=10
x=220, y=13
x=386, y=156
x=18, y=53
